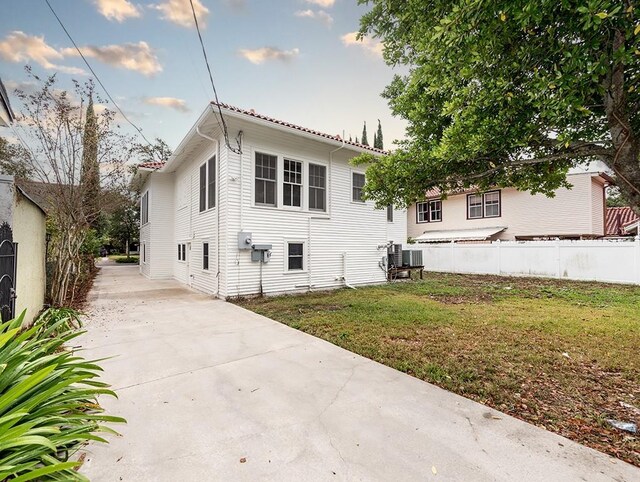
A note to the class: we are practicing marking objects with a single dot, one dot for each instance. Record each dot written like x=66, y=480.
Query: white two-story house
x=509, y=214
x=270, y=207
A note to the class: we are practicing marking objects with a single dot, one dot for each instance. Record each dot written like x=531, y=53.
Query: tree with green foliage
x=124, y=222
x=364, y=141
x=90, y=170
x=507, y=93
x=377, y=138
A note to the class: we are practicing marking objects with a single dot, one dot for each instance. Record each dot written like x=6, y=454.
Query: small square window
x=295, y=256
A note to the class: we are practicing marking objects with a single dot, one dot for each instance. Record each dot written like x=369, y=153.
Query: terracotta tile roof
x=151, y=165
x=618, y=218
x=252, y=113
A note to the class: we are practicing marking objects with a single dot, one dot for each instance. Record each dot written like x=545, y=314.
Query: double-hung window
x=265, y=179
x=295, y=256
x=357, y=183
x=474, y=206
x=292, y=183
x=182, y=252
x=317, y=187
x=211, y=184
x=144, y=208
x=390, y=213
x=486, y=205
x=205, y=255
x=429, y=211
x=203, y=187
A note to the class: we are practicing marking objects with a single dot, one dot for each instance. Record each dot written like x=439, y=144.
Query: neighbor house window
x=205, y=255
x=317, y=187
x=390, y=213
x=491, y=204
x=203, y=187
x=486, y=205
x=429, y=211
x=265, y=179
x=474, y=206
x=295, y=253
x=292, y=183
x=357, y=183
x=144, y=208
x=211, y=185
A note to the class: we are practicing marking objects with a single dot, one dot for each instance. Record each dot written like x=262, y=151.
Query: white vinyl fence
x=615, y=261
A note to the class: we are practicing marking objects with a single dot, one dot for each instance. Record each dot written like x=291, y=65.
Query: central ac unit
x=411, y=257
x=395, y=255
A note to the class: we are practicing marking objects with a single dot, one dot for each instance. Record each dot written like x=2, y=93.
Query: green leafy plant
x=48, y=399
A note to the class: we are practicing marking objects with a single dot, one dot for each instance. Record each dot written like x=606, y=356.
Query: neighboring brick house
x=509, y=214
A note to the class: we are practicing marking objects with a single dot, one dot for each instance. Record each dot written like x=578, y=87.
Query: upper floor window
x=390, y=213
x=429, y=211
x=317, y=187
x=486, y=205
x=357, y=183
x=265, y=179
x=144, y=208
x=203, y=187
x=292, y=183
x=211, y=184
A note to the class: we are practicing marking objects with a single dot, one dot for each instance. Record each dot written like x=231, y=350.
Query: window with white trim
x=429, y=211
x=203, y=187
x=182, y=252
x=292, y=183
x=144, y=208
x=211, y=184
x=295, y=256
x=317, y=187
x=266, y=167
x=357, y=183
x=205, y=256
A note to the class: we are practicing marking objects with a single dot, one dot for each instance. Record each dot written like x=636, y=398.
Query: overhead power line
x=96, y=75
x=221, y=122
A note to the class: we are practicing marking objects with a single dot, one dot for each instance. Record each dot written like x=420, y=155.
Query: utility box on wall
x=244, y=240
x=261, y=252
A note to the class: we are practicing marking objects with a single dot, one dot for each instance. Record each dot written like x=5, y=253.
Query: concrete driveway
x=214, y=392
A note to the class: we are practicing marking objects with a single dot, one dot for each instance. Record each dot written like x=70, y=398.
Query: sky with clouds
x=296, y=60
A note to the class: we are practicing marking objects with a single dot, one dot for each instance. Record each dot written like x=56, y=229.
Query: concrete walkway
x=214, y=392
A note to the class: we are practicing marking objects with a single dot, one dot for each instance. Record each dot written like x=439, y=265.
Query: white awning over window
x=479, y=234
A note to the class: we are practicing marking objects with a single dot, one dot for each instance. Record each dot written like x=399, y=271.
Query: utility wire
x=96, y=75
x=221, y=122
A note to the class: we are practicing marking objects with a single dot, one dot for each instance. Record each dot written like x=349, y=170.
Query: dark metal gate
x=7, y=273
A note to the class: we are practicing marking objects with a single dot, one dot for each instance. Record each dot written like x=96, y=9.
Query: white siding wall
x=193, y=227
x=576, y=211
x=353, y=228
x=145, y=233
x=162, y=227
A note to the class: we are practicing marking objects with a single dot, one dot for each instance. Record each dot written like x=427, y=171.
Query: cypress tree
x=357, y=141
x=365, y=141
x=90, y=170
x=378, y=138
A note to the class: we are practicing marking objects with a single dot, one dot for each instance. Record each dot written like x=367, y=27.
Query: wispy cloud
x=236, y=5
x=20, y=47
x=179, y=12
x=171, y=102
x=138, y=57
x=322, y=3
x=372, y=46
x=261, y=55
x=319, y=15
x=118, y=10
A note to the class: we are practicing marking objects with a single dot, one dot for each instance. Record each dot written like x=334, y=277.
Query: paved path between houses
x=214, y=392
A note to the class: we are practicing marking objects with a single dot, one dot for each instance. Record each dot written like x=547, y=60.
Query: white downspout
x=344, y=255
x=344, y=271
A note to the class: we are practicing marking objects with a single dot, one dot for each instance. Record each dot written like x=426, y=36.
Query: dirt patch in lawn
x=562, y=355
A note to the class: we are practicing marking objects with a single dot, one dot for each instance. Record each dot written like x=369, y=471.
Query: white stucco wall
x=29, y=231
x=572, y=212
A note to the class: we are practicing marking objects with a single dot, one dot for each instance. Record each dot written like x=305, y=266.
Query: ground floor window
x=295, y=256
x=182, y=252
x=205, y=255
x=144, y=252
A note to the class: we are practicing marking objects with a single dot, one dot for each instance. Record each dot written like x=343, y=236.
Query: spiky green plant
x=48, y=400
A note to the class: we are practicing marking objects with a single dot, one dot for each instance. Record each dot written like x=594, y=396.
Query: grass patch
x=562, y=355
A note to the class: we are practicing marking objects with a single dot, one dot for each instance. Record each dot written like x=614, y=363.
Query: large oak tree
x=507, y=93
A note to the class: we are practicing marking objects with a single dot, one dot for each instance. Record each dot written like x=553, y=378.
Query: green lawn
x=122, y=258
x=562, y=355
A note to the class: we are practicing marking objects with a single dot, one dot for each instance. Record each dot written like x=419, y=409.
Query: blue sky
x=295, y=60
